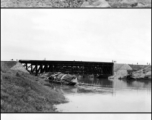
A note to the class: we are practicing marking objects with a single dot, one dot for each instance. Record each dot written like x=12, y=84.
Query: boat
x=65, y=79
x=63, y=83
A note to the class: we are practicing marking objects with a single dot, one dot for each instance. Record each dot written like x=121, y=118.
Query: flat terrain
x=22, y=92
x=76, y=3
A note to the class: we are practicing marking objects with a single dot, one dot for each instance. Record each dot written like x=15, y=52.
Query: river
x=106, y=96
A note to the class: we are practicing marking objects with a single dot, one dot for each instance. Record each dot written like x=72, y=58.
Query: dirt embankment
x=142, y=73
x=76, y=3
x=121, y=71
x=22, y=92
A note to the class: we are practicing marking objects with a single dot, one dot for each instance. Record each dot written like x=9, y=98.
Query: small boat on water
x=61, y=78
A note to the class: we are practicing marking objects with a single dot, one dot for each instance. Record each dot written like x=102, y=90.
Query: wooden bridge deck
x=72, y=67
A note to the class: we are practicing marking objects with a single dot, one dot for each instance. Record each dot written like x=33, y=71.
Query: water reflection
x=102, y=85
x=103, y=95
x=142, y=84
x=90, y=79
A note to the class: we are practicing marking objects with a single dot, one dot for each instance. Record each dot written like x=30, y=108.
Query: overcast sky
x=76, y=117
x=123, y=35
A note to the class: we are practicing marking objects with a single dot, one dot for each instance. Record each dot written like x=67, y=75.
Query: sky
x=122, y=35
x=76, y=116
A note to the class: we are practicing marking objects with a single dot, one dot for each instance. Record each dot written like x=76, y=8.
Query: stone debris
x=59, y=77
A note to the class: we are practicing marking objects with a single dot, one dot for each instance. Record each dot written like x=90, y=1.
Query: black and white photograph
x=75, y=61
x=76, y=117
x=76, y=4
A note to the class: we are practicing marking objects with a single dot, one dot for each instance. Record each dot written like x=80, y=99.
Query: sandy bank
x=22, y=92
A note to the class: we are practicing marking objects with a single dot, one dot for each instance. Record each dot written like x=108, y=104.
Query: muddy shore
x=22, y=92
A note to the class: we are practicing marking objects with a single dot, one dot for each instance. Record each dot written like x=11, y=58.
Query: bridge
x=72, y=67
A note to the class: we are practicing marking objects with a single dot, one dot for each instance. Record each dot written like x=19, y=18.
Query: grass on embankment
x=22, y=92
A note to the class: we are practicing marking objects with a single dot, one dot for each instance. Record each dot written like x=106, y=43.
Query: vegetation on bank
x=76, y=3
x=22, y=92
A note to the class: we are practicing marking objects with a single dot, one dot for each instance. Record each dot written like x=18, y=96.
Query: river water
x=103, y=95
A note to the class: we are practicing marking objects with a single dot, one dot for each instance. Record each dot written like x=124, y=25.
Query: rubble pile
x=61, y=78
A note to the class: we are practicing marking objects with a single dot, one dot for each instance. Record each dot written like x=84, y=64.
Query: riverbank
x=77, y=3
x=122, y=71
x=22, y=92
